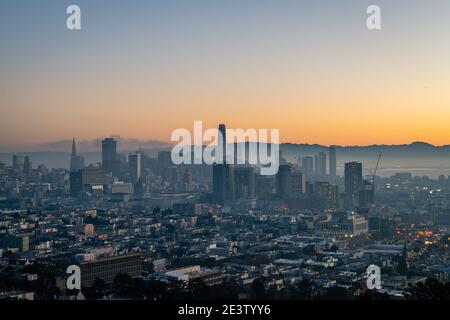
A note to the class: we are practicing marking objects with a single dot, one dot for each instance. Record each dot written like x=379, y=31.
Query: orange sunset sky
x=308, y=68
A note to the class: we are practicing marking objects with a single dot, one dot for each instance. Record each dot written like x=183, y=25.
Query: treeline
x=262, y=288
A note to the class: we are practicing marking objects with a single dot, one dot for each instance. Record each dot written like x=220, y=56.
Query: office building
x=308, y=166
x=134, y=166
x=84, y=180
x=110, y=161
x=332, y=163
x=107, y=269
x=187, y=181
x=27, y=167
x=343, y=225
x=298, y=184
x=15, y=241
x=223, y=183
x=328, y=192
x=353, y=184
x=245, y=182
x=320, y=164
x=366, y=194
x=284, y=183
x=18, y=164
x=222, y=143
x=209, y=277
x=164, y=161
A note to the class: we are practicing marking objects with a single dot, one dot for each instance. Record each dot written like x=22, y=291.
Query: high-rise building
x=18, y=164
x=284, y=183
x=76, y=161
x=366, y=194
x=134, y=165
x=332, y=162
x=223, y=142
x=187, y=180
x=171, y=175
x=308, y=165
x=73, y=158
x=298, y=183
x=27, y=167
x=264, y=186
x=320, y=164
x=328, y=192
x=223, y=183
x=143, y=160
x=164, y=161
x=85, y=179
x=353, y=184
x=245, y=182
x=109, y=154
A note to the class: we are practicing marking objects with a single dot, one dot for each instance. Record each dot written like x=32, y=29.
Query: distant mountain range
x=123, y=144
x=419, y=156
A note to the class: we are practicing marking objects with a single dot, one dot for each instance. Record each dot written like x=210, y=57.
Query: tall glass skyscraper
x=353, y=184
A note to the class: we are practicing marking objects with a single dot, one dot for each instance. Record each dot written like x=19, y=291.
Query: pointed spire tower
x=75, y=160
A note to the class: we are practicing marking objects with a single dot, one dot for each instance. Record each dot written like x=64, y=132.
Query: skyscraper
x=353, y=184
x=109, y=155
x=164, y=161
x=245, y=182
x=366, y=194
x=76, y=161
x=18, y=164
x=308, y=165
x=320, y=164
x=328, y=192
x=298, y=184
x=332, y=162
x=222, y=142
x=134, y=165
x=27, y=167
x=187, y=180
x=223, y=183
x=284, y=183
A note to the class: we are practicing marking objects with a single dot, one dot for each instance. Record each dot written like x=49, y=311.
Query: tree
x=337, y=293
x=122, y=284
x=45, y=286
x=258, y=288
x=432, y=289
x=305, y=290
x=155, y=289
x=97, y=290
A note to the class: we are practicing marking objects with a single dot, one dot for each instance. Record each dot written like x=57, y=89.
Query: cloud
x=95, y=145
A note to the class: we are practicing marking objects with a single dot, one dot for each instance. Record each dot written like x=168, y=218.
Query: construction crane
x=376, y=168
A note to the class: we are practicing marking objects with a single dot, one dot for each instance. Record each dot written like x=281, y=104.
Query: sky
x=143, y=68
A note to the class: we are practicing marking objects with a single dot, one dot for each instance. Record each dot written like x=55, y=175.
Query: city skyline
x=145, y=68
x=225, y=158
x=133, y=144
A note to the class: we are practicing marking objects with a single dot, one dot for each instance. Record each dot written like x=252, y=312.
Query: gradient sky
x=141, y=68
